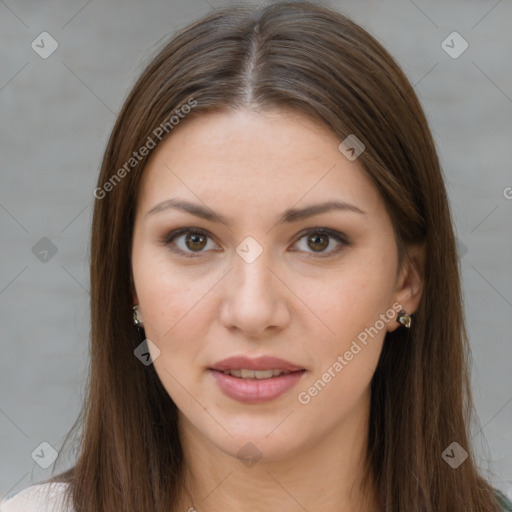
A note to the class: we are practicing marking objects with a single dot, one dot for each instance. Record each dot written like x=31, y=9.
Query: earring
x=136, y=320
x=404, y=318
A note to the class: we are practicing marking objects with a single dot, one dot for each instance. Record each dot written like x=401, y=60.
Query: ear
x=135, y=299
x=410, y=281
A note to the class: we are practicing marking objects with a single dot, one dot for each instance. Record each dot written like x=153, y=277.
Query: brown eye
x=195, y=241
x=321, y=242
x=190, y=242
x=318, y=242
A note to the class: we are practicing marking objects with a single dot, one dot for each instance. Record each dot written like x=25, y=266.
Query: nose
x=256, y=302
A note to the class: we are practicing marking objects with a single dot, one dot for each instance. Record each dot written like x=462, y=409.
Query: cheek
x=175, y=320
x=346, y=360
x=351, y=304
x=169, y=297
x=355, y=296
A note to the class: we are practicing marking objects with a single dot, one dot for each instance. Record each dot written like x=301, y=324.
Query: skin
x=300, y=301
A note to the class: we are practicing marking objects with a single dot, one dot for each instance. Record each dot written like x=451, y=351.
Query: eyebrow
x=289, y=215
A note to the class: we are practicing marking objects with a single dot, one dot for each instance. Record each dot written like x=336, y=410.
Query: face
x=235, y=256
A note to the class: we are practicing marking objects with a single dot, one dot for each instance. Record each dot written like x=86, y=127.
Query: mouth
x=255, y=386
x=256, y=374
x=257, y=367
x=255, y=380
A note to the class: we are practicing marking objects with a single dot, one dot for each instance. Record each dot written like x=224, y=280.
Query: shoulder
x=505, y=503
x=45, y=497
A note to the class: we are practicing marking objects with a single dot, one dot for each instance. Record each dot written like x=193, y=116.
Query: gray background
x=57, y=113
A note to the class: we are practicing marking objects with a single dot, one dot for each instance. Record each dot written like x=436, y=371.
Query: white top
x=47, y=497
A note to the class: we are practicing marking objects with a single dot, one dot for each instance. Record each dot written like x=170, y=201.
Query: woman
x=276, y=307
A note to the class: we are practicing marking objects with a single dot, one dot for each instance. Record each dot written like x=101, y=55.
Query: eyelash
x=336, y=235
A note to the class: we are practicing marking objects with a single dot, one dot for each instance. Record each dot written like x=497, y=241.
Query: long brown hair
x=306, y=57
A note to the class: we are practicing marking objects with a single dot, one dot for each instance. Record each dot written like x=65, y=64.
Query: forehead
x=258, y=158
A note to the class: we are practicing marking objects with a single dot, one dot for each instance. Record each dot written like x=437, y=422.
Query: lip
x=255, y=391
x=257, y=363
